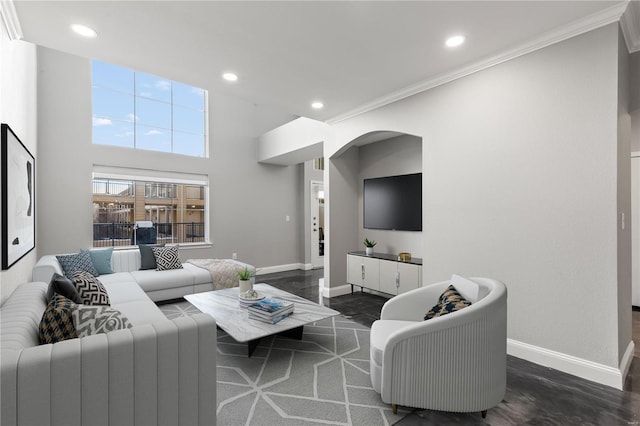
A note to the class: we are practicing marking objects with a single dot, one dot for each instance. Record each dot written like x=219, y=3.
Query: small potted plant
x=369, y=245
x=244, y=281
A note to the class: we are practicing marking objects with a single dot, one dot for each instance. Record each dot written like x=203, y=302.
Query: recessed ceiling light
x=317, y=105
x=229, y=76
x=84, y=31
x=455, y=41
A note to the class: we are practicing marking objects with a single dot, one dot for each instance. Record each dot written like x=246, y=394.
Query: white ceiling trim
x=592, y=22
x=10, y=19
x=630, y=23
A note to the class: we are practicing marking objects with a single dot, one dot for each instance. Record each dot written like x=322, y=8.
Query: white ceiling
x=287, y=54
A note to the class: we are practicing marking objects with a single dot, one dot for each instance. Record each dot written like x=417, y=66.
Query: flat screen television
x=393, y=202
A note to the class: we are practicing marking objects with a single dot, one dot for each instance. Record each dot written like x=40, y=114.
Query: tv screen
x=393, y=202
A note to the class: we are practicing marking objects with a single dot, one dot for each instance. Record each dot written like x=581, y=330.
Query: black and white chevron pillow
x=167, y=258
x=90, y=289
x=89, y=320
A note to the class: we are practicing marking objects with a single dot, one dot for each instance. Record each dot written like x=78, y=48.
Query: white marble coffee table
x=223, y=305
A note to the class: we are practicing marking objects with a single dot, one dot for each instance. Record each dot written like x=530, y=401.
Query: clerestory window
x=136, y=110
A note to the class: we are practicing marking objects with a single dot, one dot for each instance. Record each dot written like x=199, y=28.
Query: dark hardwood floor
x=536, y=395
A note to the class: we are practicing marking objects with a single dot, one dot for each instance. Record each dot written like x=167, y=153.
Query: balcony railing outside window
x=121, y=234
x=117, y=188
x=160, y=190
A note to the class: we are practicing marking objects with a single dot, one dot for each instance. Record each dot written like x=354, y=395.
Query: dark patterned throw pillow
x=167, y=258
x=89, y=320
x=77, y=262
x=56, y=324
x=90, y=289
x=450, y=301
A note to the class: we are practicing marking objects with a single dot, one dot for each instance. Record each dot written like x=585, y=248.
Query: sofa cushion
x=90, y=289
x=380, y=332
x=101, y=260
x=123, y=290
x=450, y=301
x=90, y=320
x=76, y=262
x=153, y=280
x=167, y=258
x=56, y=324
x=147, y=258
x=142, y=312
x=63, y=286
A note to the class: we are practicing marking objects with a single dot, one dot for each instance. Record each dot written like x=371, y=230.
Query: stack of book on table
x=270, y=310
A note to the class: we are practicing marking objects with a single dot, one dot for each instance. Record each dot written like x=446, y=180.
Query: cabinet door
x=409, y=277
x=354, y=270
x=371, y=277
x=388, y=271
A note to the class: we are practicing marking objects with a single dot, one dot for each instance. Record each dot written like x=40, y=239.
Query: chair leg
x=394, y=408
x=484, y=414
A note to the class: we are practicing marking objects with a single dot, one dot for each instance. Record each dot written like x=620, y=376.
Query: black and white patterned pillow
x=167, y=258
x=77, y=262
x=89, y=320
x=450, y=301
x=90, y=289
x=56, y=324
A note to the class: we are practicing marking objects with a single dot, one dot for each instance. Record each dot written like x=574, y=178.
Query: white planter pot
x=244, y=286
x=368, y=251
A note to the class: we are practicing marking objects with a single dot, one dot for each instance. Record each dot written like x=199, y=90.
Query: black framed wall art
x=18, y=173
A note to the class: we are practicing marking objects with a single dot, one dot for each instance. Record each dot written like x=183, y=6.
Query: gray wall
x=18, y=99
x=341, y=214
x=519, y=184
x=396, y=156
x=248, y=201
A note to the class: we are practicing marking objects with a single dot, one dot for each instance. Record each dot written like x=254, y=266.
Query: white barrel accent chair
x=456, y=362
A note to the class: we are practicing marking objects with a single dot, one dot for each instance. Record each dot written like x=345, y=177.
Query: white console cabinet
x=383, y=272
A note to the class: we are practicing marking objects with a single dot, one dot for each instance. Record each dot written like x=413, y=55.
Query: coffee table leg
x=251, y=346
x=294, y=333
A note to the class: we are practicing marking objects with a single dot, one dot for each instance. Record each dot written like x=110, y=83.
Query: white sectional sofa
x=159, y=371
x=158, y=285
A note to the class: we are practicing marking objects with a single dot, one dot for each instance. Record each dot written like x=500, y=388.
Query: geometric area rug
x=322, y=379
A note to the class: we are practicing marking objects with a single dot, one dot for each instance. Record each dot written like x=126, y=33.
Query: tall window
x=142, y=111
x=176, y=210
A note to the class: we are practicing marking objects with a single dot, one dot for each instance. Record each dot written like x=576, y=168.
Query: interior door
x=317, y=224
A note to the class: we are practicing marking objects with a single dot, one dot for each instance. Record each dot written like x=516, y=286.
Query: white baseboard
x=336, y=291
x=585, y=369
x=280, y=268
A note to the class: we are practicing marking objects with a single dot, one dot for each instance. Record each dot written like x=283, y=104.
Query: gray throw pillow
x=89, y=320
x=147, y=258
x=63, y=286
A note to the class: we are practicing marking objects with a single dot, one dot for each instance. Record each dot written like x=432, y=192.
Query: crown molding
x=630, y=24
x=10, y=19
x=581, y=26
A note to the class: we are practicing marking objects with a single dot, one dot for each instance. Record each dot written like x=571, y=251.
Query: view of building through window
x=175, y=211
x=142, y=111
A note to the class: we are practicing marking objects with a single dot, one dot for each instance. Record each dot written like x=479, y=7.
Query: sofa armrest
x=45, y=267
x=161, y=373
